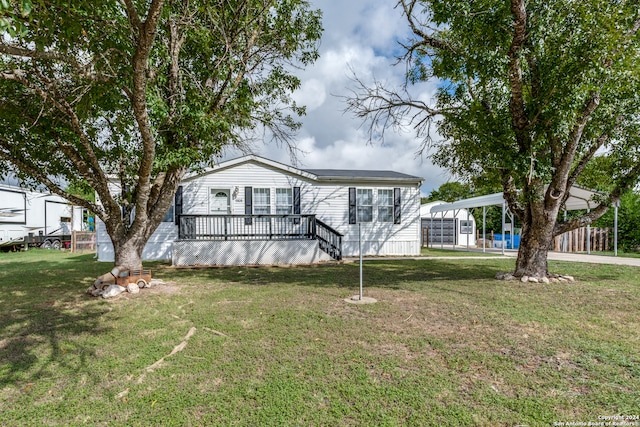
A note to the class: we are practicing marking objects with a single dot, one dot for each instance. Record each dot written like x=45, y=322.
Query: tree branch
x=140, y=61
x=519, y=119
x=23, y=163
x=510, y=193
x=425, y=40
x=21, y=52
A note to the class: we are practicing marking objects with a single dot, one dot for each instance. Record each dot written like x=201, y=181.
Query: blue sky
x=361, y=35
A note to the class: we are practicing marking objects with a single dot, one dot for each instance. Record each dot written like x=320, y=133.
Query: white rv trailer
x=35, y=218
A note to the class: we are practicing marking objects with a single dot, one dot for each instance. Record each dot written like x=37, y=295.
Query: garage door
x=440, y=230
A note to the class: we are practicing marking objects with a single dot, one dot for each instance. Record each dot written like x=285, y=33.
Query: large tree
x=135, y=92
x=528, y=93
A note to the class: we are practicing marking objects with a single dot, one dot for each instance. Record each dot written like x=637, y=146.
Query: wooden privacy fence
x=83, y=241
x=576, y=240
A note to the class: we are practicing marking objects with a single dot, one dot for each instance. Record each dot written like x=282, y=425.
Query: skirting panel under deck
x=247, y=252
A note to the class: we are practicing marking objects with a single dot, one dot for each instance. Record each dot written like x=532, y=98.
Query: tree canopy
x=528, y=93
x=140, y=91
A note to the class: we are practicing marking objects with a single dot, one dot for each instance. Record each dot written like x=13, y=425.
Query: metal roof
x=351, y=174
x=340, y=175
x=579, y=198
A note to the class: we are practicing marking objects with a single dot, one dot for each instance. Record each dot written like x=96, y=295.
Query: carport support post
x=504, y=241
x=468, y=228
x=429, y=240
x=588, y=236
x=442, y=230
x=484, y=230
x=455, y=229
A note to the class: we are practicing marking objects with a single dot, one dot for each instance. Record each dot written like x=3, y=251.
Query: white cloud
x=312, y=94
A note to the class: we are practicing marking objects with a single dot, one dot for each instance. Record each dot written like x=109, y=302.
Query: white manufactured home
x=253, y=210
x=35, y=217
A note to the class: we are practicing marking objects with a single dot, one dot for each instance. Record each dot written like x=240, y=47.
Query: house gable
x=253, y=159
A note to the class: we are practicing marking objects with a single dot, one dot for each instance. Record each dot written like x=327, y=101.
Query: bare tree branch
x=424, y=40
x=383, y=108
x=519, y=118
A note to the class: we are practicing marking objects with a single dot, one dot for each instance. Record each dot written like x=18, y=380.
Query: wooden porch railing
x=260, y=227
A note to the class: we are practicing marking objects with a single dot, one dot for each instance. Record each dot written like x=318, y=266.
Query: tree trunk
x=128, y=253
x=535, y=242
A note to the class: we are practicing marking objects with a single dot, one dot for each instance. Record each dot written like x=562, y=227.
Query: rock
x=154, y=282
x=545, y=280
x=569, y=278
x=562, y=279
x=554, y=280
x=93, y=292
x=133, y=288
x=524, y=279
x=112, y=291
x=500, y=276
x=533, y=279
x=509, y=276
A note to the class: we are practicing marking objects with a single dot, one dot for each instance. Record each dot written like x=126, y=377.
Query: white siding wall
x=196, y=192
x=329, y=202
x=159, y=246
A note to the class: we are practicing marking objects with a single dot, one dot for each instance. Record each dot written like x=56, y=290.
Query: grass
x=462, y=252
x=445, y=345
x=620, y=254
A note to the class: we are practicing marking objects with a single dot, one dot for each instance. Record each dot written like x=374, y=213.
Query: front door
x=219, y=202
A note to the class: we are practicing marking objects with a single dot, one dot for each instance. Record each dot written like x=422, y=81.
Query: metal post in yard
x=504, y=208
x=359, y=299
x=615, y=228
x=360, y=251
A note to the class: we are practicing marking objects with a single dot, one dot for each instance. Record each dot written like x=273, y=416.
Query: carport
x=580, y=198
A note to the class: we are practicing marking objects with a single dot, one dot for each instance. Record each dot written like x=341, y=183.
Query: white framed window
x=466, y=227
x=261, y=201
x=284, y=201
x=385, y=205
x=364, y=204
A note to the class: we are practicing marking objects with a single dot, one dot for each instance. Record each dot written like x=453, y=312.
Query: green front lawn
x=445, y=345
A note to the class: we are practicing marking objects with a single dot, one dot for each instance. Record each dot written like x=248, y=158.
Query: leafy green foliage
x=143, y=91
x=529, y=92
x=451, y=192
x=569, y=53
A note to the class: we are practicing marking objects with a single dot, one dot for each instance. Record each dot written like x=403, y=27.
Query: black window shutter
x=178, y=204
x=296, y=204
x=352, y=206
x=248, y=204
x=396, y=206
x=296, y=200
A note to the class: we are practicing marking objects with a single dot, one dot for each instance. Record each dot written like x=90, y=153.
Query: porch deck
x=254, y=239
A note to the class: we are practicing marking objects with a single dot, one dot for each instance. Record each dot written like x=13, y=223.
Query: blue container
x=516, y=241
x=508, y=241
